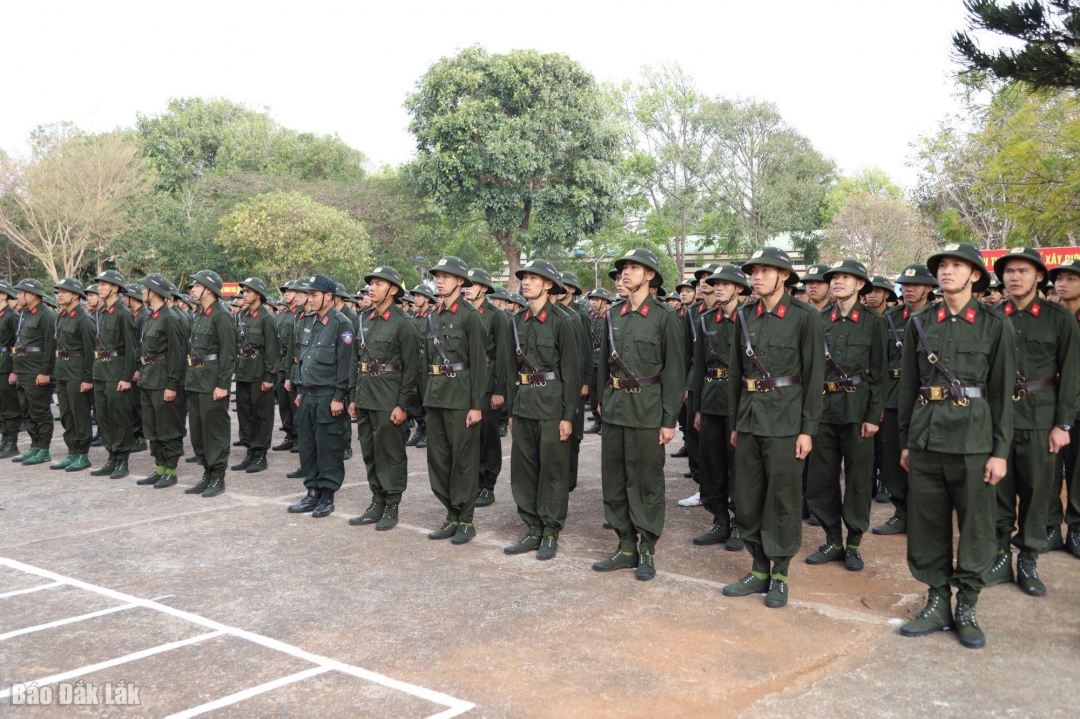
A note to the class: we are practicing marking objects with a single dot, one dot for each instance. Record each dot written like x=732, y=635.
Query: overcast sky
x=861, y=78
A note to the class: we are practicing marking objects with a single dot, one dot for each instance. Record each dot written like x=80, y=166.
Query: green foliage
x=871, y=181
x=280, y=236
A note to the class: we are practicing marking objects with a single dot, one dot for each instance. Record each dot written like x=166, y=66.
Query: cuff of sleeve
x=172, y=386
x=568, y=414
x=223, y=386
x=810, y=428
x=1001, y=451
x=339, y=395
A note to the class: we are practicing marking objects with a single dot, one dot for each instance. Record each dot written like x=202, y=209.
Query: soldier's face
x=197, y=292
x=1020, y=277
x=725, y=292
x=300, y=298
x=914, y=294
x=446, y=284
x=635, y=276
x=953, y=274
x=817, y=291
x=287, y=296
x=65, y=298
x=766, y=279
x=419, y=303
x=472, y=294
x=378, y=290
x=876, y=298
x=595, y=303
x=24, y=299
x=532, y=286
x=249, y=295
x=316, y=301
x=686, y=295
x=92, y=301
x=1068, y=286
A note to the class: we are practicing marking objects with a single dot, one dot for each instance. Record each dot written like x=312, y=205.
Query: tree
x=285, y=235
x=1048, y=30
x=871, y=181
x=68, y=200
x=883, y=232
x=519, y=141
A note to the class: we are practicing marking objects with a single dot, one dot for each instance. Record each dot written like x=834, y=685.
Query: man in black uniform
x=74, y=374
x=287, y=323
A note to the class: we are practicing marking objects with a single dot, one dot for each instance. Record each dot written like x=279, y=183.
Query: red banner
x=1052, y=256
x=230, y=289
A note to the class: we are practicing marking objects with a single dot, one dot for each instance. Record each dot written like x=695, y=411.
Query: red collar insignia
x=111, y=309
x=2, y=312
x=719, y=316
x=71, y=314
x=682, y=312
x=1035, y=309
x=209, y=310
x=325, y=320
x=542, y=316
x=153, y=318
x=760, y=308
x=481, y=309
x=781, y=311
x=644, y=310
x=453, y=309
x=854, y=315
x=33, y=311
x=254, y=314
x=1009, y=308
x=625, y=309
x=905, y=313
x=941, y=314
x=969, y=315
x=372, y=315
x=835, y=316
x=386, y=315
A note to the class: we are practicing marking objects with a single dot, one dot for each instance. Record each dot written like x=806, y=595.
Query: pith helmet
x=452, y=266
x=962, y=251
x=772, y=257
x=646, y=259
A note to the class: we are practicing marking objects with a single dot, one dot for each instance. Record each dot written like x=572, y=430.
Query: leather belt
x=448, y=369
x=536, y=378
x=959, y=395
x=23, y=351
x=631, y=385
x=108, y=354
x=848, y=384
x=373, y=368
x=894, y=373
x=1025, y=388
x=151, y=359
x=67, y=354
x=715, y=373
x=770, y=383
x=249, y=352
x=200, y=360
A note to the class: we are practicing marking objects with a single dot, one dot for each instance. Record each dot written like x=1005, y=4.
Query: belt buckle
x=721, y=373
x=751, y=385
x=62, y=356
x=616, y=383
x=365, y=367
x=524, y=378
x=832, y=386
x=937, y=394
x=436, y=369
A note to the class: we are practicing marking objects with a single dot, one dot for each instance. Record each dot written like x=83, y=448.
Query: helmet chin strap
x=956, y=292
x=1029, y=291
x=776, y=287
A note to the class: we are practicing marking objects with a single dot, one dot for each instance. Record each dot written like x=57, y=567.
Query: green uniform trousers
x=1031, y=479
x=768, y=492
x=539, y=475
x=114, y=417
x=255, y=415
x=893, y=475
x=938, y=485
x=10, y=410
x=36, y=406
x=211, y=431
x=632, y=475
x=490, y=446
x=716, y=468
x=1067, y=460
x=136, y=412
x=453, y=458
x=164, y=425
x=285, y=403
x=839, y=446
x=574, y=443
x=693, y=445
x=382, y=444
x=321, y=438
x=74, y=415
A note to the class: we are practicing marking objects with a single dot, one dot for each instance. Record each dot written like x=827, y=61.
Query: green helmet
x=113, y=277
x=134, y=291
x=71, y=285
x=688, y=284
x=158, y=284
x=500, y=293
x=916, y=274
x=1072, y=264
x=613, y=274
x=851, y=267
x=1022, y=253
x=646, y=259
x=730, y=273
x=385, y=272
x=32, y=286
x=601, y=294
x=772, y=257
x=703, y=272
x=92, y=289
x=570, y=281
x=815, y=273
x=51, y=301
x=519, y=300
x=422, y=289
x=883, y=283
x=995, y=283
x=544, y=269
x=480, y=276
x=257, y=284
x=340, y=291
x=8, y=290
x=297, y=285
x=661, y=293
x=962, y=251
x=452, y=266
x=209, y=279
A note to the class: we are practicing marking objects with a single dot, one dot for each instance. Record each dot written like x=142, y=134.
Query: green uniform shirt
x=650, y=342
x=139, y=316
x=163, y=334
x=500, y=346
x=460, y=330
x=258, y=338
x=284, y=324
x=75, y=333
x=389, y=338
x=596, y=331
x=9, y=318
x=115, y=333
x=895, y=334
x=325, y=354
x=1046, y=347
x=787, y=341
x=550, y=342
x=36, y=329
x=213, y=332
x=712, y=351
x=857, y=345
x=420, y=323
x=585, y=355
x=977, y=347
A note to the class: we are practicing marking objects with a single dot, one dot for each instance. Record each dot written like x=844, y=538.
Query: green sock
x=759, y=575
x=160, y=469
x=171, y=471
x=781, y=577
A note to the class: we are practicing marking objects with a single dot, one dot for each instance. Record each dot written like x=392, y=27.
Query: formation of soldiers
x=798, y=398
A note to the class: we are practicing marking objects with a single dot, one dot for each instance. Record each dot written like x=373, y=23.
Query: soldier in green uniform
x=181, y=305
x=857, y=363
x=1066, y=280
x=500, y=348
x=571, y=290
x=257, y=362
x=322, y=388
x=34, y=361
x=74, y=374
x=10, y=412
x=384, y=386
x=133, y=300
x=114, y=372
x=161, y=376
x=777, y=366
x=1045, y=407
x=877, y=299
x=817, y=288
x=600, y=302
x=343, y=303
x=456, y=393
x=287, y=321
x=916, y=285
x=301, y=333
x=543, y=403
x=211, y=361
x=423, y=300
x=710, y=408
x=642, y=364
x=956, y=426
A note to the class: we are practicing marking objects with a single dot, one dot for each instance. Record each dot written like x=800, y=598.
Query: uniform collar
x=779, y=311
x=643, y=310
x=453, y=309
x=1033, y=308
x=542, y=316
x=854, y=315
x=968, y=313
x=385, y=315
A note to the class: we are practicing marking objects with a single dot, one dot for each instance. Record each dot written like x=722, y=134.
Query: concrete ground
x=232, y=606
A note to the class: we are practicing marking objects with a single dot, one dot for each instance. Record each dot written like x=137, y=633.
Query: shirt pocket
x=254, y=336
x=1040, y=361
x=325, y=355
x=647, y=350
x=547, y=355
x=972, y=364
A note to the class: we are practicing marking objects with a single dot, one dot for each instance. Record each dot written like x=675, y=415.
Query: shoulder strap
x=930, y=356
x=632, y=380
x=363, y=339
x=518, y=350
x=894, y=333
x=708, y=341
x=750, y=348
x=435, y=340
x=829, y=358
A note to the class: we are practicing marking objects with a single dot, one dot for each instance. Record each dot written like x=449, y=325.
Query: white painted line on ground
x=81, y=671
x=69, y=620
x=31, y=590
x=455, y=706
x=248, y=693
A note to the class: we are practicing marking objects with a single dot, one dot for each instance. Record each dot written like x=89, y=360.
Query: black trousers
x=490, y=446
x=321, y=438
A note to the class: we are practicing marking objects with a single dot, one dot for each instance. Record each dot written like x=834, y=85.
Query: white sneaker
x=694, y=501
